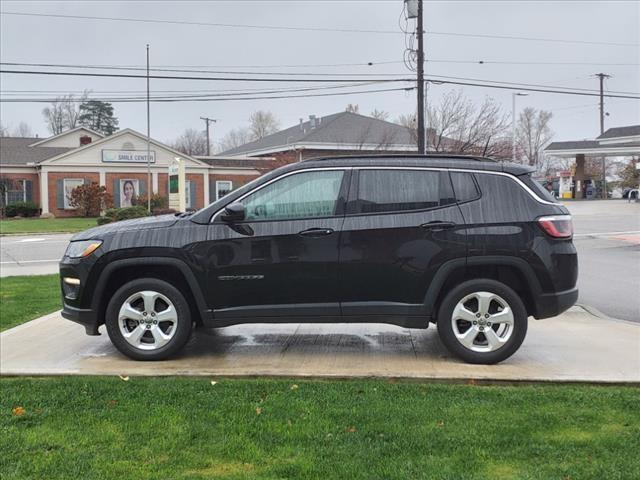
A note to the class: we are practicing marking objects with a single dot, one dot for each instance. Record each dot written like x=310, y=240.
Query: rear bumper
x=85, y=317
x=552, y=304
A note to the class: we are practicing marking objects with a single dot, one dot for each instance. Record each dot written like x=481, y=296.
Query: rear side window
x=538, y=188
x=464, y=186
x=401, y=190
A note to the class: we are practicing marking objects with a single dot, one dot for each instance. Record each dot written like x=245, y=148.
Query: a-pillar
x=579, y=177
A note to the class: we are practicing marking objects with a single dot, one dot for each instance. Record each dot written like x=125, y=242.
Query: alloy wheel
x=482, y=322
x=148, y=320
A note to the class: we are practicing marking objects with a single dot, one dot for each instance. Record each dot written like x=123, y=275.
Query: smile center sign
x=128, y=156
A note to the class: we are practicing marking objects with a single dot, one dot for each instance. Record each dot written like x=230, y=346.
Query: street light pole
x=149, y=184
x=513, y=123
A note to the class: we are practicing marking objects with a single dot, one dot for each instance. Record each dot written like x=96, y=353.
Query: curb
x=597, y=313
x=26, y=234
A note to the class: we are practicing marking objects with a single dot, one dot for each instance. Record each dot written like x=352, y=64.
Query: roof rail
x=446, y=156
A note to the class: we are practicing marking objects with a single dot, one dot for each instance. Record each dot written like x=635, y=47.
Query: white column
x=207, y=194
x=44, y=191
x=103, y=178
x=154, y=182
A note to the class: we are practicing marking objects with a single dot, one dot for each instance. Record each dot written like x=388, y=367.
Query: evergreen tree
x=98, y=116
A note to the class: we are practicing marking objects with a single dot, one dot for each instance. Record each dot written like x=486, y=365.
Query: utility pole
x=207, y=120
x=419, y=33
x=602, y=76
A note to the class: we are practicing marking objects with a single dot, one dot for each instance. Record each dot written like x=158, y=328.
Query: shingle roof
x=343, y=127
x=592, y=145
x=573, y=145
x=616, y=132
x=16, y=151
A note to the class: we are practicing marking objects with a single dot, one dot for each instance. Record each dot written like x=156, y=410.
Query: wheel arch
x=512, y=271
x=118, y=272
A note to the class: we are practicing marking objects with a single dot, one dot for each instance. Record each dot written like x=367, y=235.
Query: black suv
x=470, y=244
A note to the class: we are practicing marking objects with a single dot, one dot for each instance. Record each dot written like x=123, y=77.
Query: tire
x=148, y=335
x=494, y=307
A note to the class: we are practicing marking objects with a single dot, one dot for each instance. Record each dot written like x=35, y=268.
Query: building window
x=222, y=188
x=68, y=185
x=17, y=193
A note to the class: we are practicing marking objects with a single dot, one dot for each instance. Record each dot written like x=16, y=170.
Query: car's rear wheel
x=148, y=319
x=482, y=321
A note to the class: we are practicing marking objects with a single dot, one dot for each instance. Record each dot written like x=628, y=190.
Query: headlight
x=83, y=248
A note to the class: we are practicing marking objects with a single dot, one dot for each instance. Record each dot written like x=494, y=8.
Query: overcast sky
x=101, y=42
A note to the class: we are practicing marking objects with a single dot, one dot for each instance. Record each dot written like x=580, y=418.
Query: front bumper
x=552, y=304
x=85, y=317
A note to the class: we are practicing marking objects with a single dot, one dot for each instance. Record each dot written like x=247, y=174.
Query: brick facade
x=52, y=186
x=35, y=183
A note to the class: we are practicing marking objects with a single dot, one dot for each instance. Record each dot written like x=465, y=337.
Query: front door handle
x=437, y=225
x=316, y=232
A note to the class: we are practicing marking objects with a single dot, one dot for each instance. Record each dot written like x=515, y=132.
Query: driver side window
x=301, y=195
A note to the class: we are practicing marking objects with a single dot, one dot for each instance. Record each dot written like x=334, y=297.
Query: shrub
x=163, y=211
x=104, y=220
x=90, y=199
x=131, y=212
x=157, y=201
x=22, y=209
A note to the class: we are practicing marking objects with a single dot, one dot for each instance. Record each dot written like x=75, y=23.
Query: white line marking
x=605, y=234
x=30, y=261
x=25, y=240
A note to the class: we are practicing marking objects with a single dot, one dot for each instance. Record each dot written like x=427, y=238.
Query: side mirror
x=233, y=213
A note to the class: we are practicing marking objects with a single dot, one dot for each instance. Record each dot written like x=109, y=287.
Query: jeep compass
x=471, y=245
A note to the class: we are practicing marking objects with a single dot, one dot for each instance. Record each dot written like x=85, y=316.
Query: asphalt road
x=32, y=254
x=607, y=236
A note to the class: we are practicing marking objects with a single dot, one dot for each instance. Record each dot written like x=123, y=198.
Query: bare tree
x=458, y=126
x=379, y=114
x=263, y=123
x=533, y=134
x=64, y=112
x=235, y=138
x=4, y=131
x=409, y=121
x=191, y=142
x=352, y=108
x=23, y=130
x=54, y=116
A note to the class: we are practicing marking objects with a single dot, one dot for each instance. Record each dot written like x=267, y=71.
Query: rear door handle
x=316, y=232
x=438, y=225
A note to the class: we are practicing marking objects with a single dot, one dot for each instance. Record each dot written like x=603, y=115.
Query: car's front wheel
x=482, y=321
x=148, y=319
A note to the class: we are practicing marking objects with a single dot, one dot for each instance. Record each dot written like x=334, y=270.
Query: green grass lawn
x=27, y=297
x=175, y=428
x=46, y=225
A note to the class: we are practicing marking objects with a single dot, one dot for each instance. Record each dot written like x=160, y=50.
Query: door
x=401, y=226
x=282, y=260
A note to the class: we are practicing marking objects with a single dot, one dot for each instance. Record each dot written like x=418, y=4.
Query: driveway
x=575, y=346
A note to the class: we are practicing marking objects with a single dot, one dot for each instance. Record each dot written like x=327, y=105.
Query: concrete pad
x=574, y=347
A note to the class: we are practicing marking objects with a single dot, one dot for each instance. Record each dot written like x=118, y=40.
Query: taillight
x=558, y=226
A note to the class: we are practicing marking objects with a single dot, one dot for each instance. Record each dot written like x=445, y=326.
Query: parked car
x=472, y=245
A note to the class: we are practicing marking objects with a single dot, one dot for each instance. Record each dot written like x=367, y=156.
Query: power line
x=218, y=99
x=176, y=77
x=516, y=62
x=379, y=80
x=315, y=29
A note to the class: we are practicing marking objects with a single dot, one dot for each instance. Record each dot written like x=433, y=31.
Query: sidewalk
x=574, y=347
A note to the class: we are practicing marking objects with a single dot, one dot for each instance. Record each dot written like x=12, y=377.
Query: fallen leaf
x=351, y=429
x=258, y=411
x=294, y=387
x=126, y=379
x=17, y=411
x=471, y=381
x=213, y=382
x=440, y=424
x=112, y=403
